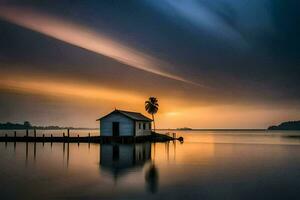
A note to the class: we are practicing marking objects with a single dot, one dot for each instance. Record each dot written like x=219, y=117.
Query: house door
x=116, y=128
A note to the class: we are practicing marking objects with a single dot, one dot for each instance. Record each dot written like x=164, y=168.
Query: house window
x=144, y=126
x=140, y=126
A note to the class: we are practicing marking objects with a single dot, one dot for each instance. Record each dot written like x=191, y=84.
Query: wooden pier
x=154, y=137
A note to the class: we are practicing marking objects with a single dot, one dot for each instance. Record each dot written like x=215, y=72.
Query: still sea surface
x=208, y=165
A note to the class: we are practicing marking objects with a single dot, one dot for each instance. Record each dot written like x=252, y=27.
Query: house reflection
x=118, y=159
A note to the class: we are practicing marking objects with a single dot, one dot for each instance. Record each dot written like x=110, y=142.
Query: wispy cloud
x=202, y=16
x=86, y=38
x=33, y=85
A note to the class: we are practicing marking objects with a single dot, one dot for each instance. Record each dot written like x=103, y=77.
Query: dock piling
x=5, y=140
x=174, y=135
x=84, y=139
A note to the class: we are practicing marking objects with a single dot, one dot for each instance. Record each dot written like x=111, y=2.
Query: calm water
x=208, y=165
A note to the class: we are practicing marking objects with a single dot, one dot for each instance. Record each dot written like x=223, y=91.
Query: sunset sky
x=211, y=64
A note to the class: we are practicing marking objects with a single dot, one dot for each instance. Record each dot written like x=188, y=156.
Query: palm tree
x=151, y=107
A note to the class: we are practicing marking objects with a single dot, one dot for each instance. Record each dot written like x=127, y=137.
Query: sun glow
x=68, y=90
x=172, y=113
x=185, y=114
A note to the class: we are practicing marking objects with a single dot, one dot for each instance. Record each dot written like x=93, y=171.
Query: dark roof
x=132, y=115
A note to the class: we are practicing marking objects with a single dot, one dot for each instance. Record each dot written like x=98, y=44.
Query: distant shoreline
x=286, y=126
x=157, y=129
x=27, y=126
x=199, y=129
x=63, y=128
x=268, y=130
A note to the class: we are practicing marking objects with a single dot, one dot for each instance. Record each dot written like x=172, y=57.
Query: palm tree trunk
x=153, y=122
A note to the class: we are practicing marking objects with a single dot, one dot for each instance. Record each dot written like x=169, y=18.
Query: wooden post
x=89, y=137
x=26, y=132
x=78, y=140
x=63, y=134
x=5, y=140
x=34, y=133
x=15, y=134
x=43, y=139
x=68, y=133
x=34, y=151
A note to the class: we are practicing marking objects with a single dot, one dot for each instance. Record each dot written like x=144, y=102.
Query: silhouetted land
x=27, y=125
x=291, y=125
x=184, y=129
x=211, y=129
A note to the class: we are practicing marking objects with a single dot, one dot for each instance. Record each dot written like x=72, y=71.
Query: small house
x=125, y=123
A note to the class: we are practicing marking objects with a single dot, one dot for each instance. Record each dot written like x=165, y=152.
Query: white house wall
x=126, y=125
x=140, y=131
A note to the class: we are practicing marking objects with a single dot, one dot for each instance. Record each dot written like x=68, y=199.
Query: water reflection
x=151, y=178
x=119, y=159
x=241, y=167
x=115, y=160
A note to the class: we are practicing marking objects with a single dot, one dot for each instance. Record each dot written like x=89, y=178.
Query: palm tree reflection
x=152, y=178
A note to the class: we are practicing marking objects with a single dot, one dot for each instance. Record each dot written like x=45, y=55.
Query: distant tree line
x=9, y=125
x=291, y=125
x=27, y=125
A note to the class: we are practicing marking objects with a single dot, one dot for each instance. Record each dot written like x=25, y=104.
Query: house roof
x=132, y=115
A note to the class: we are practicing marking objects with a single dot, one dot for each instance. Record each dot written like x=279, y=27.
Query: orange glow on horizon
x=174, y=112
x=52, y=88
